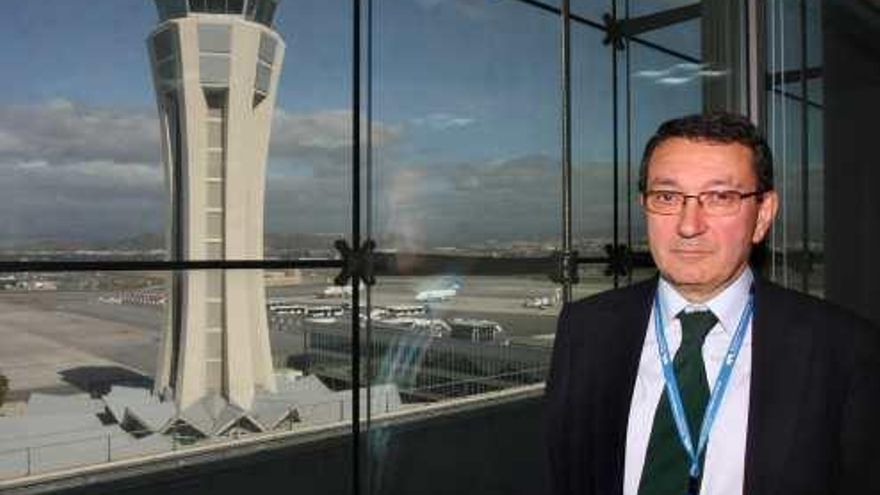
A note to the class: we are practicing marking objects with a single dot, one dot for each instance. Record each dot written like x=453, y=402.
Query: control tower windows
x=198, y=6
x=169, y=9
x=234, y=6
x=262, y=11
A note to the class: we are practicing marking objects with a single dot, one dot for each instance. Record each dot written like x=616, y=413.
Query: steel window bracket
x=566, y=267
x=616, y=30
x=357, y=264
x=619, y=260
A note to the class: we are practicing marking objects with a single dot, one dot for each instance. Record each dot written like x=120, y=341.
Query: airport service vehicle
x=337, y=291
x=434, y=327
x=540, y=302
x=323, y=314
x=407, y=310
x=288, y=309
x=439, y=295
x=476, y=330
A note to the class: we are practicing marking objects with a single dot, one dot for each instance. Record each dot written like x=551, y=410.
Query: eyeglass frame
x=700, y=197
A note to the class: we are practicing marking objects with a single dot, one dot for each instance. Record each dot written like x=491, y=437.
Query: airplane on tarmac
x=439, y=295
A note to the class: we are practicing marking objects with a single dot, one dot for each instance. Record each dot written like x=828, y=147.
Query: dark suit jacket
x=814, y=411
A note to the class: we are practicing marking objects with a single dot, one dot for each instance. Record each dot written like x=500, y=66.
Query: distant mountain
x=141, y=242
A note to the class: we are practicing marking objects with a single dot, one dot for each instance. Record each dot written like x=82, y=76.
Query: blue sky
x=466, y=108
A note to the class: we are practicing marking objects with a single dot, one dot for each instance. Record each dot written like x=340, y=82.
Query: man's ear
x=767, y=209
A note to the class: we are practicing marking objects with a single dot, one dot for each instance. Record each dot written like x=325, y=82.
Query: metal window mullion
x=629, y=125
x=565, y=19
x=368, y=179
x=615, y=139
x=356, y=243
x=805, y=154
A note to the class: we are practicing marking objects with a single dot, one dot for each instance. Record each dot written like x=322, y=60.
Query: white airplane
x=438, y=295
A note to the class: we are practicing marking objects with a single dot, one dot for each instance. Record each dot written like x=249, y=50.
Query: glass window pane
x=216, y=6
x=198, y=5
x=478, y=130
x=592, y=10
x=467, y=175
x=215, y=165
x=214, y=250
x=215, y=134
x=215, y=194
x=214, y=226
x=308, y=172
x=683, y=37
x=214, y=38
x=265, y=11
x=267, y=49
x=645, y=7
x=214, y=69
x=251, y=9
x=264, y=78
x=663, y=87
x=592, y=156
x=164, y=45
x=235, y=6
x=214, y=315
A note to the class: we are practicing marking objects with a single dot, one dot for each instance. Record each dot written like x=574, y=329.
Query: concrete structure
x=215, y=67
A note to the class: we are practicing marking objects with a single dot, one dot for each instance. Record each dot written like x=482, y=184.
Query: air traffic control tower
x=215, y=67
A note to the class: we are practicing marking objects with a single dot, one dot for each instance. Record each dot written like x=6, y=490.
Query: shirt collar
x=727, y=305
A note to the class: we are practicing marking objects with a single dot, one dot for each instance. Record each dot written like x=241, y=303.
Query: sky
x=466, y=120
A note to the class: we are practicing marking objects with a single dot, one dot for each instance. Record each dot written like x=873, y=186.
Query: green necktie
x=666, y=461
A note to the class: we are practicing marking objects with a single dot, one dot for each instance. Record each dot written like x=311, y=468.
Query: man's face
x=701, y=254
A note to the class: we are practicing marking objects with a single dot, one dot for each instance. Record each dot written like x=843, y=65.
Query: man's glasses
x=714, y=203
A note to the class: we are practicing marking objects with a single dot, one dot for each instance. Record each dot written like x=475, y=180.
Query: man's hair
x=715, y=127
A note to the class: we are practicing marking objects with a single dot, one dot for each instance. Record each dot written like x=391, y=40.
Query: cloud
x=86, y=200
x=61, y=132
x=71, y=171
x=442, y=121
x=74, y=171
x=326, y=130
x=322, y=140
x=682, y=73
x=513, y=198
x=674, y=81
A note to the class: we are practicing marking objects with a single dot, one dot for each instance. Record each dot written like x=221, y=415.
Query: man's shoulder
x=801, y=310
x=779, y=298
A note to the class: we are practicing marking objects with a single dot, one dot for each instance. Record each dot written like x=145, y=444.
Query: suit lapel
x=780, y=376
x=620, y=352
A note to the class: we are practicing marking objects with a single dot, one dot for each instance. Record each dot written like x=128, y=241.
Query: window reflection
x=465, y=138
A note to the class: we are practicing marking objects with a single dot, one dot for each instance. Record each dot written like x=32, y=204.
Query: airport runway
x=45, y=335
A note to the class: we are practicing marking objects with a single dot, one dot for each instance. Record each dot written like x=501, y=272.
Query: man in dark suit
x=709, y=379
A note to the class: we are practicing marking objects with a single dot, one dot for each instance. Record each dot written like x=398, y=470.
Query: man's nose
x=692, y=219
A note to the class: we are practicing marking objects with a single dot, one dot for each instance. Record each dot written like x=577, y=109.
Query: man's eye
x=666, y=197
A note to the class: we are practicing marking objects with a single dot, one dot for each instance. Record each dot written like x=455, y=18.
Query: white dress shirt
x=723, y=472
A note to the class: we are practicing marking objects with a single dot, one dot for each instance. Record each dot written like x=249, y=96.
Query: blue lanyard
x=718, y=390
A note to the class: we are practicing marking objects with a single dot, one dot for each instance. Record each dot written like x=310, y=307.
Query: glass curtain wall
x=440, y=178
x=793, y=121
x=155, y=299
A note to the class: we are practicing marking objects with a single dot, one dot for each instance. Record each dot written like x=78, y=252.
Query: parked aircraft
x=439, y=295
